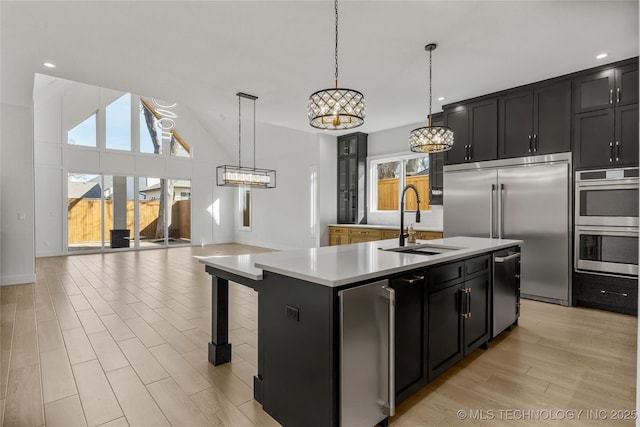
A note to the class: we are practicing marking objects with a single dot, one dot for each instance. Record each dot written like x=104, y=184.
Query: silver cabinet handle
x=507, y=258
x=610, y=152
x=390, y=410
x=617, y=151
x=530, y=143
x=412, y=279
x=618, y=95
x=621, y=294
x=535, y=142
x=610, y=96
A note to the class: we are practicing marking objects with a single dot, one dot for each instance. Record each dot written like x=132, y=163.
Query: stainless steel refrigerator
x=524, y=198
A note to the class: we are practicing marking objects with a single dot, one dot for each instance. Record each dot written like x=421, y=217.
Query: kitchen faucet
x=402, y=234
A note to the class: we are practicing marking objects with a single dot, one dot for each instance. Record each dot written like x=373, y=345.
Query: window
x=392, y=174
x=244, y=208
x=118, y=119
x=84, y=133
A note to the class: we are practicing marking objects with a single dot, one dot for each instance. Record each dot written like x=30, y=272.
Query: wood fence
x=388, y=193
x=85, y=218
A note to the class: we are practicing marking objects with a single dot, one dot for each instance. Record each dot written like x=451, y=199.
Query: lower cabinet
x=619, y=294
x=459, y=307
x=410, y=332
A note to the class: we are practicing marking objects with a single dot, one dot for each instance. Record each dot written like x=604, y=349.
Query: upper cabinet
x=436, y=163
x=606, y=119
x=607, y=88
x=535, y=121
x=352, y=178
x=475, y=131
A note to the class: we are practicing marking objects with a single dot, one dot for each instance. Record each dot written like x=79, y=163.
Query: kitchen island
x=433, y=306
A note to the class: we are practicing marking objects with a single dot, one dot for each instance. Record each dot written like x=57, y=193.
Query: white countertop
x=415, y=227
x=339, y=265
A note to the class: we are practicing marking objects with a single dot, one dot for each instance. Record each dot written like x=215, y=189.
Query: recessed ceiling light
x=601, y=56
x=441, y=98
x=49, y=64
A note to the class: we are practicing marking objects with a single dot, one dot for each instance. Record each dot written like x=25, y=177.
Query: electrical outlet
x=292, y=313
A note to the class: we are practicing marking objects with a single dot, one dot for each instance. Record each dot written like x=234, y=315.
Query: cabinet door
x=484, y=130
x=348, y=146
x=516, y=125
x=594, y=91
x=594, y=138
x=457, y=119
x=343, y=192
x=477, y=325
x=627, y=85
x=436, y=181
x=627, y=135
x=445, y=330
x=409, y=331
x=552, y=118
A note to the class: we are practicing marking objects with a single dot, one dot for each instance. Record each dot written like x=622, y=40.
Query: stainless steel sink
x=423, y=249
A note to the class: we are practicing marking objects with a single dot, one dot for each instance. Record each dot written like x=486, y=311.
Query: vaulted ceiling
x=200, y=53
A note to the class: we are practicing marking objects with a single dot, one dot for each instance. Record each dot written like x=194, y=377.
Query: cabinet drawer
x=390, y=234
x=361, y=239
x=476, y=265
x=445, y=275
x=338, y=230
x=607, y=293
x=428, y=235
x=365, y=232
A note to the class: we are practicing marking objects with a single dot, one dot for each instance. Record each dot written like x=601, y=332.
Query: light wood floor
x=121, y=339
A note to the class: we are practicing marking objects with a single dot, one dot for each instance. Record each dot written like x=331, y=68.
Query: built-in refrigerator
x=523, y=198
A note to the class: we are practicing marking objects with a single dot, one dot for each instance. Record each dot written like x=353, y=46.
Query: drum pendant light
x=430, y=139
x=336, y=108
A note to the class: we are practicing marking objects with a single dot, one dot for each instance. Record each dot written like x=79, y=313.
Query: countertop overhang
x=335, y=266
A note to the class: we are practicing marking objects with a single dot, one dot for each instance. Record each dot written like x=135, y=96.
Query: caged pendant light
x=430, y=139
x=239, y=176
x=336, y=108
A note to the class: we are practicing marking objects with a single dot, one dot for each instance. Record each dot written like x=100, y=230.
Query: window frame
x=372, y=170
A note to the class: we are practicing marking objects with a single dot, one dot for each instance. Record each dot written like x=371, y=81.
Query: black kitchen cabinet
x=618, y=294
x=607, y=88
x=352, y=179
x=459, y=306
x=535, y=121
x=475, y=131
x=410, y=334
x=607, y=137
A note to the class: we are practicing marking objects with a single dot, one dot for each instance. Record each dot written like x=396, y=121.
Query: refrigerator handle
x=491, y=203
x=500, y=213
x=390, y=407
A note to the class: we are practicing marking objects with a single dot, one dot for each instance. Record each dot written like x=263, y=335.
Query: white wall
x=17, y=204
x=68, y=103
x=281, y=217
x=396, y=142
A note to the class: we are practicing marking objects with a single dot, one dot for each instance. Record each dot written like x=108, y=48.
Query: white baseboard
x=17, y=279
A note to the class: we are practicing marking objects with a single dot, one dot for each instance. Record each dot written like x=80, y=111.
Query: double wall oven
x=606, y=222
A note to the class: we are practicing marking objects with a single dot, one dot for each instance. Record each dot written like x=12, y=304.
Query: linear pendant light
x=336, y=108
x=431, y=139
x=239, y=176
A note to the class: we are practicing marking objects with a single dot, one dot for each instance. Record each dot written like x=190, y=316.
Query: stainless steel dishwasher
x=506, y=289
x=367, y=351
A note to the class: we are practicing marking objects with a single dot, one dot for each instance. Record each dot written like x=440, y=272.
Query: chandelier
x=336, y=108
x=239, y=176
x=430, y=139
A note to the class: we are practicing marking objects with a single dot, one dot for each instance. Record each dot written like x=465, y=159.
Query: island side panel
x=300, y=365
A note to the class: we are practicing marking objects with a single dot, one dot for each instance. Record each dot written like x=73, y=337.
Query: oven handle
x=607, y=231
x=622, y=184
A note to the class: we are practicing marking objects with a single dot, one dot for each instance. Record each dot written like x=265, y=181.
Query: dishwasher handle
x=500, y=259
x=390, y=406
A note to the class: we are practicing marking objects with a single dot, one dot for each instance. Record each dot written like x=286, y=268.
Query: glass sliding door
x=84, y=212
x=179, y=212
x=151, y=217
x=119, y=212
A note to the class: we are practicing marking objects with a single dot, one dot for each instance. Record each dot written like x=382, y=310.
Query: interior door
x=469, y=203
x=535, y=209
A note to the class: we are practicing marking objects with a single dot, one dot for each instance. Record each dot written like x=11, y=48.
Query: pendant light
x=336, y=108
x=239, y=176
x=431, y=139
